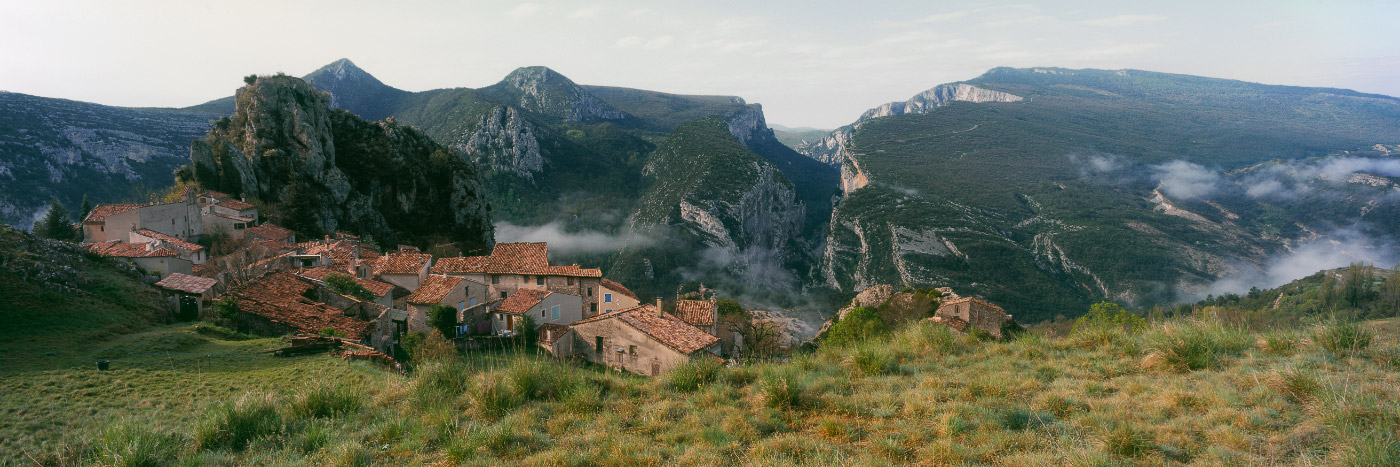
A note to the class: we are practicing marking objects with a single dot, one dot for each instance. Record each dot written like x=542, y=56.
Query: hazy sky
x=809, y=63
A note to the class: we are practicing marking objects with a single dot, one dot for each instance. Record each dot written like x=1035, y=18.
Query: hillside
x=1048, y=189
x=66, y=149
x=320, y=170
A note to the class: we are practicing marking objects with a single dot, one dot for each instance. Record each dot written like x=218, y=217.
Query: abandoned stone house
x=542, y=306
x=383, y=291
x=186, y=294
x=970, y=312
x=643, y=340
x=516, y=266
x=280, y=303
x=703, y=314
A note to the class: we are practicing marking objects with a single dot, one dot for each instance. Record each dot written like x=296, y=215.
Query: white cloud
x=1335, y=250
x=585, y=13
x=564, y=242
x=659, y=42
x=1186, y=180
x=524, y=10
x=1122, y=20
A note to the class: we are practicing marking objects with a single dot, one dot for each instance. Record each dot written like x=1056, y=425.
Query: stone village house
x=972, y=312
x=643, y=340
x=525, y=266
x=542, y=306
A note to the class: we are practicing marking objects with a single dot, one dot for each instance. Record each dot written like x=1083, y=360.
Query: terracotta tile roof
x=619, y=288
x=268, y=231
x=434, y=289
x=216, y=195
x=522, y=300
x=117, y=249
x=665, y=328
x=187, y=283
x=375, y=287
x=401, y=263
x=460, y=265
x=277, y=298
x=550, y=332
x=234, y=218
x=573, y=270
x=235, y=204
x=696, y=312
x=971, y=299
x=100, y=212
x=209, y=269
x=530, y=258
x=172, y=241
x=275, y=245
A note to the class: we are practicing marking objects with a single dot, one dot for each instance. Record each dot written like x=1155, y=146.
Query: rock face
x=322, y=170
x=66, y=149
x=832, y=149
x=546, y=92
x=507, y=142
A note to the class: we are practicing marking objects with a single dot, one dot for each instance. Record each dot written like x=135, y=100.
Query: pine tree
x=84, y=209
x=56, y=224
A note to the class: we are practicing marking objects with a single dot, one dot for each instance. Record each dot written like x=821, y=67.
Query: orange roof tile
x=696, y=312
x=268, y=231
x=175, y=242
x=187, y=283
x=619, y=288
x=375, y=287
x=215, y=195
x=100, y=212
x=530, y=258
x=522, y=300
x=434, y=289
x=663, y=327
x=550, y=332
x=235, y=204
x=117, y=249
x=401, y=263
x=460, y=265
x=277, y=298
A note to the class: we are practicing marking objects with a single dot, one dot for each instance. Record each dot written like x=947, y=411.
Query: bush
x=234, y=424
x=443, y=318
x=346, y=285
x=131, y=444
x=1194, y=346
x=859, y=325
x=326, y=401
x=1343, y=338
x=690, y=375
x=1109, y=316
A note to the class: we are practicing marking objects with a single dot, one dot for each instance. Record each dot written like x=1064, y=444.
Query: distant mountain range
x=1041, y=189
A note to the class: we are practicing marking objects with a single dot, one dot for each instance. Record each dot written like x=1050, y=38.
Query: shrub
x=873, y=360
x=234, y=424
x=131, y=444
x=1194, y=346
x=1124, y=440
x=1108, y=316
x=443, y=318
x=346, y=285
x=1342, y=338
x=859, y=325
x=693, y=374
x=326, y=401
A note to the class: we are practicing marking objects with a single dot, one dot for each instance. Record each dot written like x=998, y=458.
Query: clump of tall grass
x=234, y=424
x=925, y=338
x=440, y=380
x=783, y=390
x=690, y=375
x=127, y=443
x=1127, y=441
x=325, y=401
x=875, y=359
x=1342, y=338
x=1279, y=343
x=1296, y=385
x=491, y=395
x=1194, y=345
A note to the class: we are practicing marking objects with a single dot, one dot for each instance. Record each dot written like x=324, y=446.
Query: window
x=598, y=344
x=554, y=312
x=607, y=298
x=609, y=310
x=473, y=301
x=238, y=226
x=632, y=350
x=462, y=305
x=590, y=291
x=541, y=312
x=503, y=295
x=495, y=280
x=593, y=307
x=527, y=279
x=569, y=280
x=539, y=280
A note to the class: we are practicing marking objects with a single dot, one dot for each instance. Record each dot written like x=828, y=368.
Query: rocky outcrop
x=748, y=124
x=321, y=170
x=505, y=141
x=543, y=91
x=832, y=149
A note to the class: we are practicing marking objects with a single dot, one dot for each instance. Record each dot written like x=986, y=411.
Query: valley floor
x=920, y=396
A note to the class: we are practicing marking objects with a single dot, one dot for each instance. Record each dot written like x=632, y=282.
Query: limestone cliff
x=545, y=92
x=505, y=141
x=321, y=170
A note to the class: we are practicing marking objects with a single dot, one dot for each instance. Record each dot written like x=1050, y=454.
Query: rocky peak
x=748, y=124
x=544, y=91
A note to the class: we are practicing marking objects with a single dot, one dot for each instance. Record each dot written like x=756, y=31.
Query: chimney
x=658, y=307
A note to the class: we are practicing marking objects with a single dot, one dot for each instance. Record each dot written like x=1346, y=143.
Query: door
x=655, y=367
x=510, y=322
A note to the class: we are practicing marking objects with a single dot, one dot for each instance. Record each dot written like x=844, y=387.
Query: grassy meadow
x=1190, y=391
